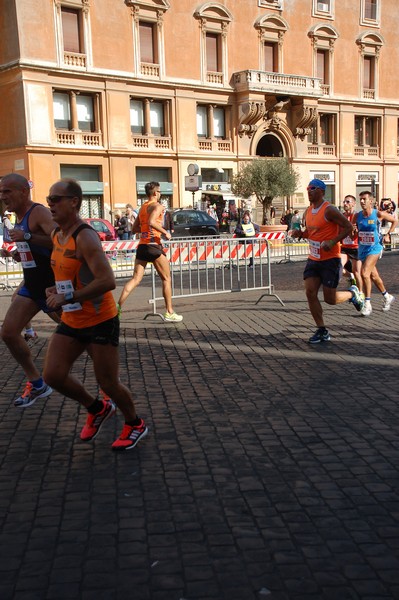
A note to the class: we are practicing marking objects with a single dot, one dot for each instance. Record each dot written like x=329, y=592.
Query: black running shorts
x=149, y=252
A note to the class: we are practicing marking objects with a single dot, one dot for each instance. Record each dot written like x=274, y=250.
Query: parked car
x=189, y=222
x=106, y=231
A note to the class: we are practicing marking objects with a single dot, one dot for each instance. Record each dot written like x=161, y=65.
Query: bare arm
x=386, y=216
x=41, y=225
x=153, y=220
x=335, y=216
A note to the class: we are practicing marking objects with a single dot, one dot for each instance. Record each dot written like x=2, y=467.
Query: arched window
x=369, y=44
x=214, y=19
x=271, y=30
x=323, y=38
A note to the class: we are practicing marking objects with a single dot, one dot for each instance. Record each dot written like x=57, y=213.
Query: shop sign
x=192, y=183
x=326, y=176
x=366, y=176
x=216, y=187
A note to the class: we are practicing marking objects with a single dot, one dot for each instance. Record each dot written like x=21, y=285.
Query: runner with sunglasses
x=325, y=227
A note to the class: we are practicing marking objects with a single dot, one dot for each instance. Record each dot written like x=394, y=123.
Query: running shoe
x=104, y=396
x=95, y=422
x=352, y=279
x=321, y=335
x=31, y=394
x=366, y=310
x=357, y=298
x=388, y=300
x=172, y=317
x=30, y=338
x=130, y=436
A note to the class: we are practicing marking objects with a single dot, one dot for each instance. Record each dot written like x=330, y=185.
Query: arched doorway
x=269, y=145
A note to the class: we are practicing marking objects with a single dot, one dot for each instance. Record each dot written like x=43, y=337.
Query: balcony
x=151, y=142
x=213, y=77
x=73, y=59
x=215, y=145
x=368, y=94
x=321, y=150
x=367, y=151
x=149, y=70
x=79, y=138
x=277, y=83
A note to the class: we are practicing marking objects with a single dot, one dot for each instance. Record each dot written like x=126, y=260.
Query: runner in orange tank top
x=83, y=288
x=149, y=225
x=325, y=227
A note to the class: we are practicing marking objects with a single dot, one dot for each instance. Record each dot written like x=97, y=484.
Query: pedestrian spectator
x=296, y=220
x=325, y=226
x=370, y=249
x=31, y=235
x=350, y=245
x=149, y=224
x=167, y=223
x=286, y=219
x=131, y=217
x=83, y=289
x=247, y=229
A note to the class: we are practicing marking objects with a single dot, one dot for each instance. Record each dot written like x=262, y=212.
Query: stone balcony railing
x=367, y=151
x=73, y=59
x=150, y=70
x=321, y=150
x=368, y=94
x=214, y=77
x=215, y=145
x=277, y=83
x=80, y=138
x=151, y=142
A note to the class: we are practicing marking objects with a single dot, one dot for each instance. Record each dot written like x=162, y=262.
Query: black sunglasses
x=56, y=199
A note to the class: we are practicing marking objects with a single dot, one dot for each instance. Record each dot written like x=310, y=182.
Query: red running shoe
x=95, y=422
x=130, y=436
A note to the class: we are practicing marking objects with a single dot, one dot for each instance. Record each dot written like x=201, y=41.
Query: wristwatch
x=68, y=297
x=27, y=236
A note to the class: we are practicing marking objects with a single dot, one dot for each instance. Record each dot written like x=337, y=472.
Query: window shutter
x=156, y=118
x=84, y=107
x=136, y=116
x=212, y=52
x=269, y=57
x=61, y=109
x=202, y=124
x=218, y=123
x=70, y=30
x=321, y=65
x=147, y=54
x=367, y=76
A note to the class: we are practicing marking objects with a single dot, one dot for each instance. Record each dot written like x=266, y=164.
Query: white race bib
x=314, y=249
x=366, y=238
x=27, y=260
x=63, y=287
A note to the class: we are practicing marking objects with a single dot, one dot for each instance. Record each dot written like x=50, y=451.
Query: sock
x=37, y=383
x=367, y=300
x=385, y=294
x=96, y=407
x=30, y=331
x=135, y=423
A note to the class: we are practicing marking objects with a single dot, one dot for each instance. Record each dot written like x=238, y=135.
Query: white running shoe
x=172, y=317
x=366, y=310
x=388, y=299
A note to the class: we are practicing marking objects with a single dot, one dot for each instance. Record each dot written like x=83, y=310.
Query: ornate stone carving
x=272, y=119
x=303, y=118
x=250, y=113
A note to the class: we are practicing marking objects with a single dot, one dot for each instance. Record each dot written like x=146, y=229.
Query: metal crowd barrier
x=216, y=266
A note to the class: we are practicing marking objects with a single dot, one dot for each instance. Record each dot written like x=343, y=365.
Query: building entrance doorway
x=269, y=145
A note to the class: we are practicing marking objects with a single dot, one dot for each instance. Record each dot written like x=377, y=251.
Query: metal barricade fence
x=215, y=266
x=11, y=274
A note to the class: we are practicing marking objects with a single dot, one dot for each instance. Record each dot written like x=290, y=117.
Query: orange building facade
x=116, y=93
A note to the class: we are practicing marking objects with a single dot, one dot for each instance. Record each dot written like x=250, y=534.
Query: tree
x=267, y=179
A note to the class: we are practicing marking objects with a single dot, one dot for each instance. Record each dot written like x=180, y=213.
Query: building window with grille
x=271, y=30
x=370, y=11
x=323, y=40
x=148, y=43
x=150, y=118
x=271, y=57
x=72, y=30
x=322, y=137
x=370, y=45
x=213, y=58
x=323, y=8
x=214, y=20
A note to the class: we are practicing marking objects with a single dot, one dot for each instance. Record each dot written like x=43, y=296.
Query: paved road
x=271, y=468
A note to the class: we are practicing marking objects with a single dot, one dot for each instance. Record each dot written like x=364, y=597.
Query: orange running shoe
x=31, y=394
x=130, y=436
x=95, y=422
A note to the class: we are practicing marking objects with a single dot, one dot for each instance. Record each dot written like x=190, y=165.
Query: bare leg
x=357, y=271
x=138, y=273
x=368, y=267
x=376, y=279
x=162, y=267
x=312, y=286
x=19, y=313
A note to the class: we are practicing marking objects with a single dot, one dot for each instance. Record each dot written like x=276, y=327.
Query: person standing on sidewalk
x=83, y=284
x=247, y=229
x=325, y=227
x=31, y=235
x=350, y=244
x=149, y=225
x=371, y=248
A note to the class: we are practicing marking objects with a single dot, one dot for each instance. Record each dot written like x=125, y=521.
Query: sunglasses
x=56, y=199
x=312, y=188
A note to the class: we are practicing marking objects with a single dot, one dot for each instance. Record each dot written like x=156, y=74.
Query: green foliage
x=267, y=179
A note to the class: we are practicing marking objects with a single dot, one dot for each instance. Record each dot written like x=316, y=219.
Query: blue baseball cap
x=318, y=183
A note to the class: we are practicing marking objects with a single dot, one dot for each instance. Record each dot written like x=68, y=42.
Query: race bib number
x=366, y=238
x=314, y=249
x=63, y=287
x=348, y=241
x=27, y=260
x=248, y=229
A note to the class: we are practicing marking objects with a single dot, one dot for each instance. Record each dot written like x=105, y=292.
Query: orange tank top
x=72, y=274
x=320, y=230
x=149, y=235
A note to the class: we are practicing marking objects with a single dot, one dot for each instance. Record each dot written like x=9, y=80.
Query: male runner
x=325, y=227
x=149, y=224
x=31, y=234
x=83, y=284
x=350, y=244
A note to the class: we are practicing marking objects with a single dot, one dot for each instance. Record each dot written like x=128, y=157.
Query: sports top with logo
x=369, y=237
x=35, y=261
x=149, y=235
x=320, y=230
x=72, y=274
